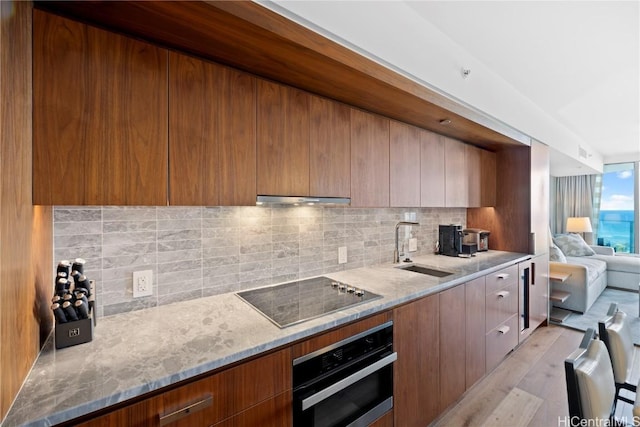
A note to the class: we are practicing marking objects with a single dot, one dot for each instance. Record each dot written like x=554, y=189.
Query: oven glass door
x=356, y=399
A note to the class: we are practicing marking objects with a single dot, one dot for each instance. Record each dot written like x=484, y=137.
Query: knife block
x=72, y=333
x=78, y=331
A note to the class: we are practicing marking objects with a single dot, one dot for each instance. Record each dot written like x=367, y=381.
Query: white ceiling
x=572, y=67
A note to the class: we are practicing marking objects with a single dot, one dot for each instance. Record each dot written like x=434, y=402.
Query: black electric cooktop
x=295, y=302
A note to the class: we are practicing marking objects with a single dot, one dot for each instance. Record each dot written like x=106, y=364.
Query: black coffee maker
x=450, y=238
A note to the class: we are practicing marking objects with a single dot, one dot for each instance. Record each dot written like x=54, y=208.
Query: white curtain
x=575, y=196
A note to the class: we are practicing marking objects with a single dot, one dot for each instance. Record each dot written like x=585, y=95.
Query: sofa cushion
x=595, y=266
x=555, y=254
x=572, y=244
x=627, y=264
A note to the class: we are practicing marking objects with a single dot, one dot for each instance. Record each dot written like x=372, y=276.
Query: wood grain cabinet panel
x=475, y=308
x=473, y=159
x=99, y=117
x=432, y=176
x=329, y=148
x=212, y=142
x=369, y=160
x=416, y=332
x=488, y=178
x=456, y=181
x=282, y=140
x=404, y=152
x=452, y=345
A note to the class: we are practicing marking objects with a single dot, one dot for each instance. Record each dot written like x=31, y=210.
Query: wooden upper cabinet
x=329, y=148
x=455, y=183
x=212, y=134
x=99, y=116
x=488, y=178
x=432, y=169
x=404, y=152
x=369, y=160
x=474, y=175
x=282, y=140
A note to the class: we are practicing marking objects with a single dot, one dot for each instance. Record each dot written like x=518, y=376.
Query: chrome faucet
x=396, y=255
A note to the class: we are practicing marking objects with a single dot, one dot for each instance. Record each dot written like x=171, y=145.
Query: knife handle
x=64, y=266
x=69, y=311
x=83, y=282
x=78, y=265
x=81, y=309
x=59, y=313
x=61, y=285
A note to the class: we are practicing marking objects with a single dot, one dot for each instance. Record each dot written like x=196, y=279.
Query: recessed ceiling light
x=445, y=122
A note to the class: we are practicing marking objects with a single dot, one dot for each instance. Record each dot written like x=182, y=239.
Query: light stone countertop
x=137, y=352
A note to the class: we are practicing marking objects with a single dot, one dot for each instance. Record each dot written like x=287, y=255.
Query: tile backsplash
x=201, y=251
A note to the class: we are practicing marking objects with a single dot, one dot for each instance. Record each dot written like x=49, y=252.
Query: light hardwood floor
x=527, y=389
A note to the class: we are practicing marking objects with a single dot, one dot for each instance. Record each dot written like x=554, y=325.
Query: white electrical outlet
x=413, y=244
x=342, y=255
x=142, y=283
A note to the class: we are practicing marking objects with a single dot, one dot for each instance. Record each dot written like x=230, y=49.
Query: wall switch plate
x=142, y=283
x=342, y=255
x=413, y=244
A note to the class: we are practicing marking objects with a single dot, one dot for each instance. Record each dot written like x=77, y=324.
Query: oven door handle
x=318, y=397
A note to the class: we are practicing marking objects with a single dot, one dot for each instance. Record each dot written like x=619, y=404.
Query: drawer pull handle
x=186, y=411
x=503, y=329
x=503, y=276
x=503, y=294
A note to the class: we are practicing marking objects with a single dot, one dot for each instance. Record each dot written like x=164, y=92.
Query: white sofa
x=589, y=275
x=587, y=279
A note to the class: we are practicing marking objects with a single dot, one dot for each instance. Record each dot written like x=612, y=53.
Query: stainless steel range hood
x=304, y=200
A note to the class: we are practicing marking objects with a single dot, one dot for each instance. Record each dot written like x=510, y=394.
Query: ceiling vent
x=582, y=153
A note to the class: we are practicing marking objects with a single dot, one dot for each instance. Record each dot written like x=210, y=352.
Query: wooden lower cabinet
x=257, y=392
x=416, y=372
x=475, y=353
x=384, y=421
x=452, y=345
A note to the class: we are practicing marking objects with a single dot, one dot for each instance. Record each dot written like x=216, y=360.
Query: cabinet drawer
x=500, y=341
x=231, y=391
x=500, y=305
x=501, y=278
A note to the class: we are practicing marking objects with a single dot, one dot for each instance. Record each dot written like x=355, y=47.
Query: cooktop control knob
x=359, y=292
x=342, y=286
x=334, y=284
x=351, y=289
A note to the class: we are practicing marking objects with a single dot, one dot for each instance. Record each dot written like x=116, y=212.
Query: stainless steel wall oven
x=349, y=383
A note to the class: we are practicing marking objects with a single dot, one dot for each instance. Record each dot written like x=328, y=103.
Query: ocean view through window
x=617, y=225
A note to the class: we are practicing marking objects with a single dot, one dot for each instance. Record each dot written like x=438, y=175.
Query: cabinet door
x=474, y=176
x=369, y=160
x=100, y=120
x=431, y=169
x=329, y=149
x=404, y=151
x=212, y=146
x=456, y=192
x=539, y=197
x=475, y=330
x=416, y=372
x=488, y=178
x=193, y=124
x=282, y=140
x=452, y=345
x=539, y=292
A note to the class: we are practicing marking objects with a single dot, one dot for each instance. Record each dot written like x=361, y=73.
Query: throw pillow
x=572, y=244
x=555, y=254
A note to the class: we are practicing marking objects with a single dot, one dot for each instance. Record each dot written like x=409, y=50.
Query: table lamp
x=579, y=225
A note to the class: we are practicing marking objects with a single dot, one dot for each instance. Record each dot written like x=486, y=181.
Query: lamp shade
x=579, y=225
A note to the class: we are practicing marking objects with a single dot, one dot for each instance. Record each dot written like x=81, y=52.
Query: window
x=618, y=218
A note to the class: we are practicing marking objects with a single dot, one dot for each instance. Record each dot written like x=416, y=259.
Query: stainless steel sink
x=425, y=270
